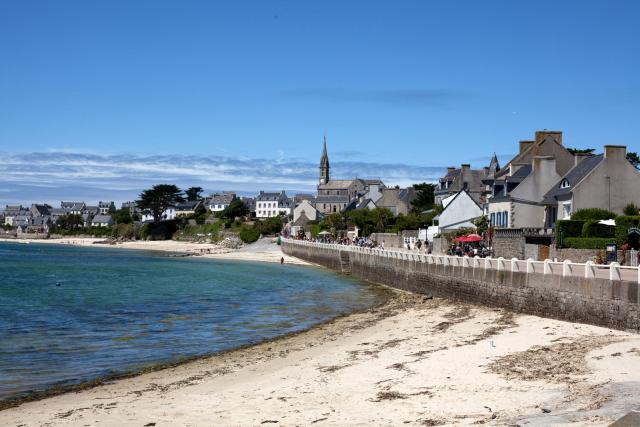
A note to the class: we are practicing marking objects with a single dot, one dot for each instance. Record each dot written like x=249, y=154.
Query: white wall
x=459, y=213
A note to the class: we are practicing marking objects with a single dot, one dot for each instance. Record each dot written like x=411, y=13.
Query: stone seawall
x=596, y=301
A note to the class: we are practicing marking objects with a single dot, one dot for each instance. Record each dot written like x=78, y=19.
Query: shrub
x=586, y=242
x=568, y=228
x=631, y=209
x=126, y=231
x=593, y=228
x=595, y=214
x=249, y=234
x=623, y=223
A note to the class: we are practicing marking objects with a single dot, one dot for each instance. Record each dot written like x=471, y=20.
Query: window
x=499, y=219
x=566, y=210
x=564, y=184
x=505, y=219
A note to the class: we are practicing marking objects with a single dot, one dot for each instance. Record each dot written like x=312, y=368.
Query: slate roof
x=337, y=184
x=188, y=205
x=99, y=219
x=574, y=176
x=301, y=221
x=222, y=198
x=332, y=198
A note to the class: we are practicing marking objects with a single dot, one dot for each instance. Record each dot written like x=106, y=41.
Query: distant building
x=102, y=221
x=220, y=201
x=74, y=208
x=336, y=195
x=187, y=208
x=272, y=204
x=106, y=207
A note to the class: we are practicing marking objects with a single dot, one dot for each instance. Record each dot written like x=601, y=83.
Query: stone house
x=501, y=204
x=306, y=208
x=104, y=208
x=606, y=181
x=463, y=178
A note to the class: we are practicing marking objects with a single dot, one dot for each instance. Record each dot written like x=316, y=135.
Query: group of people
x=462, y=249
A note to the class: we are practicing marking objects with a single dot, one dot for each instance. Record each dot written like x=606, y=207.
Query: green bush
x=592, y=228
x=623, y=223
x=162, y=231
x=631, y=209
x=249, y=234
x=595, y=214
x=586, y=242
x=569, y=228
x=126, y=231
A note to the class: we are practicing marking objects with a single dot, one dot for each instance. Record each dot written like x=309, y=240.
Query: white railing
x=613, y=271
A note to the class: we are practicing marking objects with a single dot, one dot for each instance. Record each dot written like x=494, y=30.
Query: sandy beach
x=264, y=250
x=413, y=361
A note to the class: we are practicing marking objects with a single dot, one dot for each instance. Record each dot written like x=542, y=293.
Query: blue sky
x=100, y=99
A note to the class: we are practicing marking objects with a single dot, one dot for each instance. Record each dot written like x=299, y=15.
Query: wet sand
x=413, y=361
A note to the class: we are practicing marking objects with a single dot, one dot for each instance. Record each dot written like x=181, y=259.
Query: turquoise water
x=69, y=315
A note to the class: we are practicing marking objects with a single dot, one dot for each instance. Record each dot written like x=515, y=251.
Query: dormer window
x=564, y=184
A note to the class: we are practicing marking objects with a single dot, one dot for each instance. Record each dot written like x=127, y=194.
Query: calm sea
x=69, y=315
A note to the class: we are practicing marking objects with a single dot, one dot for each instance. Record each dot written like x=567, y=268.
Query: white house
x=272, y=204
x=220, y=201
x=102, y=221
x=460, y=212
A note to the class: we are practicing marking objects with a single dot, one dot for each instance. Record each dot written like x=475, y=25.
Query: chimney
x=450, y=169
x=524, y=145
x=465, y=167
x=543, y=165
x=617, y=152
x=579, y=157
x=555, y=134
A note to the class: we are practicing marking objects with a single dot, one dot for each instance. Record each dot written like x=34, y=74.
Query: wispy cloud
x=393, y=97
x=53, y=176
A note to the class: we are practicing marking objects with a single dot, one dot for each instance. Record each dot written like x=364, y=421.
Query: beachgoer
x=281, y=260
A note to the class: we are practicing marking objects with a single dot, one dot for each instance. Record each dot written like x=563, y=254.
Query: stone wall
x=509, y=246
x=391, y=240
x=574, y=255
x=596, y=301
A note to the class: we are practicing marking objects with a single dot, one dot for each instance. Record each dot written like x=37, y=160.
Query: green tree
x=193, y=193
x=581, y=150
x=424, y=196
x=634, y=159
x=122, y=216
x=381, y=218
x=235, y=209
x=482, y=224
x=158, y=198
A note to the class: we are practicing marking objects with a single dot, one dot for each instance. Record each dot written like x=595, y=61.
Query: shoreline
x=53, y=391
x=261, y=251
x=412, y=360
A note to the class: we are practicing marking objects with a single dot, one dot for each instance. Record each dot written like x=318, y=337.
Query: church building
x=335, y=195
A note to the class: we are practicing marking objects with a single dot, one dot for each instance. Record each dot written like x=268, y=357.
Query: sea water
x=69, y=315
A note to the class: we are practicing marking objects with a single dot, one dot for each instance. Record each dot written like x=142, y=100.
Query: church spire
x=324, y=164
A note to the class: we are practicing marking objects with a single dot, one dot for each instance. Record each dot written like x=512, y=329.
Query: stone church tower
x=324, y=164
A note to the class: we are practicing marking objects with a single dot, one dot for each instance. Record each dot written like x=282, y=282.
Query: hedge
x=569, y=228
x=623, y=223
x=586, y=242
x=593, y=228
x=249, y=234
x=595, y=214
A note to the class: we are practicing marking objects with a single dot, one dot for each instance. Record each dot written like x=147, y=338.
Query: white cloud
x=51, y=176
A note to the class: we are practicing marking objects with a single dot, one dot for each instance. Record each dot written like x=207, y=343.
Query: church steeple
x=324, y=164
